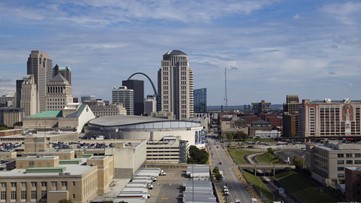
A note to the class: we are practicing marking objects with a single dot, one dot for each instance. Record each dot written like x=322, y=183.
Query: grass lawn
x=268, y=158
x=258, y=185
x=238, y=154
x=304, y=188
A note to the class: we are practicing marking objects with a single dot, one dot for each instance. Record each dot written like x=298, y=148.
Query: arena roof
x=122, y=120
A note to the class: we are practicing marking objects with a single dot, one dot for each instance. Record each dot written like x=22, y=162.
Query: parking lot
x=168, y=189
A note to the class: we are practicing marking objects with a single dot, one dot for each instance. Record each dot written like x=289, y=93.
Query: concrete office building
x=40, y=65
x=329, y=118
x=88, y=98
x=150, y=105
x=7, y=101
x=29, y=96
x=100, y=109
x=58, y=93
x=138, y=92
x=10, y=116
x=175, y=85
x=44, y=179
x=327, y=162
x=261, y=107
x=65, y=71
x=168, y=150
x=200, y=100
x=125, y=96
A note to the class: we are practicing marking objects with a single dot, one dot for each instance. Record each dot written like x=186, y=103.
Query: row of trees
x=239, y=135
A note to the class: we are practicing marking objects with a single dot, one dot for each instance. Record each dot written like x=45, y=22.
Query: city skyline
x=271, y=48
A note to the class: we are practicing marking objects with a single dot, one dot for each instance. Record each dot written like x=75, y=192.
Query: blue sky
x=278, y=47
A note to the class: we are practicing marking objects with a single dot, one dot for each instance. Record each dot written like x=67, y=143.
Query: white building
x=150, y=105
x=29, y=96
x=58, y=93
x=267, y=134
x=125, y=96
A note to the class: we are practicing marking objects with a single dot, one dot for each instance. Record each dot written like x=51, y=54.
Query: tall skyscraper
x=200, y=100
x=29, y=96
x=125, y=96
x=40, y=65
x=175, y=85
x=65, y=71
x=58, y=93
x=138, y=87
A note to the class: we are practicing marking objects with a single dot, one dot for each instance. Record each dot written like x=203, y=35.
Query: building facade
x=138, y=90
x=290, y=116
x=65, y=71
x=40, y=65
x=175, y=85
x=169, y=150
x=29, y=96
x=10, y=116
x=125, y=96
x=150, y=105
x=200, y=100
x=58, y=93
x=7, y=101
x=261, y=107
x=327, y=162
x=353, y=183
x=328, y=118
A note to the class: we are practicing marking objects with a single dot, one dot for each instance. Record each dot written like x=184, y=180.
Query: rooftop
x=47, y=114
x=175, y=52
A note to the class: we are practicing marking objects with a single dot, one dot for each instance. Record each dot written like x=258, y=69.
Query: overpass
x=272, y=167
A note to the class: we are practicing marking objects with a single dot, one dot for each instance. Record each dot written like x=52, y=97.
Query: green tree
x=270, y=150
x=197, y=156
x=298, y=162
x=229, y=136
x=240, y=135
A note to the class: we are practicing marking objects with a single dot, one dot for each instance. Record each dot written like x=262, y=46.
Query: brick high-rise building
x=290, y=116
x=175, y=85
x=341, y=118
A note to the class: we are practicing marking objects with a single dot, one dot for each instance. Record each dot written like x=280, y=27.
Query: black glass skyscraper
x=138, y=87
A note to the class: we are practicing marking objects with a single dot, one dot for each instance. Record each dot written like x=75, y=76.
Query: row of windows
x=348, y=162
x=349, y=155
x=33, y=184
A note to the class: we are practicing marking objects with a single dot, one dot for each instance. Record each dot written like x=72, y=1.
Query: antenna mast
x=225, y=89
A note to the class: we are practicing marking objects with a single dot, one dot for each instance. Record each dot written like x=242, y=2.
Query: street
x=221, y=159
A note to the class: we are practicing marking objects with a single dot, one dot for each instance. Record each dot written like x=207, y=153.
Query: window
x=357, y=161
x=33, y=184
x=340, y=168
x=339, y=155
x=340, y=175
x=43, y=184
x=358, y=155
x=349, y=161
x=53, y=184
x=23, y=184
x=13, y=184
x=33, y=195
x=3, y=195
x=73, y=183
x=13, y=195
x=3, y=185
x=340, y=161
x=23, y=194
x=349, y=155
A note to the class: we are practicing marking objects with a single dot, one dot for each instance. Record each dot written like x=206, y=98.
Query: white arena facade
x=143, y=127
